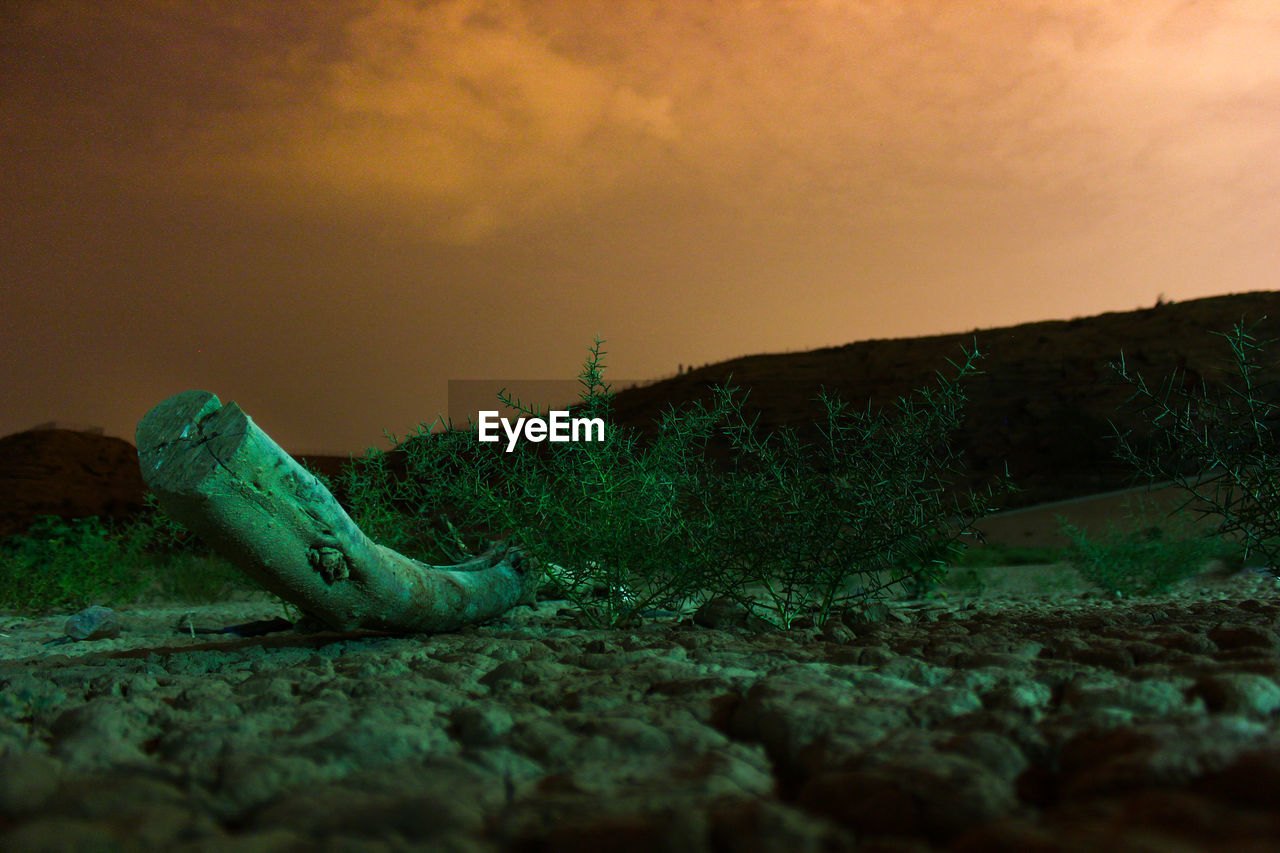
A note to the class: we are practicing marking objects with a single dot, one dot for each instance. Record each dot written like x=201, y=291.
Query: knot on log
x=330, y=563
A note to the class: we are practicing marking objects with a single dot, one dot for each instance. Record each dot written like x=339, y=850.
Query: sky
x=325, y=211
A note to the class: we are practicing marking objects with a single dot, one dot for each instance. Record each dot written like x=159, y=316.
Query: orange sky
x=325, y=210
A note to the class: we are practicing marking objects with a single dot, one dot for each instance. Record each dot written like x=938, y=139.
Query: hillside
x=1042, y=404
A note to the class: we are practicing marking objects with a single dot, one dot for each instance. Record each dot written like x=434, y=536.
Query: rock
x=93, y=623
x=68, y=474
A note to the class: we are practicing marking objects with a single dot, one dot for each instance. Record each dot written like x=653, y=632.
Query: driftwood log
x=214, y=471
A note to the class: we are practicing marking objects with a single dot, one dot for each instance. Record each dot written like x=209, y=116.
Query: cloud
x=456, y=113
x=461, y=107
x=464, y=117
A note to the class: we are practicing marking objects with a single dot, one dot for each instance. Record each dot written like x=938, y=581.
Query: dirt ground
x=1018, y=708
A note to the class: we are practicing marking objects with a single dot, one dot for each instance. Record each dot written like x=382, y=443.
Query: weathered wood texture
x=213, y=470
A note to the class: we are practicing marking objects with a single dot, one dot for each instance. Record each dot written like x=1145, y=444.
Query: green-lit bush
x=1147, y=559
x=58, y=565
x=619, y=531
x=616, y=530
x=1218, y=447
x=68, y=564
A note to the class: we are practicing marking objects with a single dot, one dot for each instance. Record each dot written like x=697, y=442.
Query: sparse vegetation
x=64, y=565
x=619, y=531
x=999, y=554
x=1218, y=447
x=1150, y=557
x=1220, y=450
x=788, y=530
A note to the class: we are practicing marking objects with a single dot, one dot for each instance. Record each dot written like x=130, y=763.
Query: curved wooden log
x=213, y=470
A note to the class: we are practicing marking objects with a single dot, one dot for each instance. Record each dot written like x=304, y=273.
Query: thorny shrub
x=621, y=531
x=1219, y=448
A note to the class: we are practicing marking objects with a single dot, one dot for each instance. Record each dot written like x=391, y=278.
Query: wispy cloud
x=479, y=114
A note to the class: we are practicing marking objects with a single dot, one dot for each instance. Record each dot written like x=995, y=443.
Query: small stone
x=93, y=623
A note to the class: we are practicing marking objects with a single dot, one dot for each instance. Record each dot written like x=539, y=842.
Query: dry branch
x=213, y=470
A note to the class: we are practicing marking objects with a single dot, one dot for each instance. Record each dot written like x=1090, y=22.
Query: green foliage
x=391, y=513
x=619, y=531
x=195, y=578
x=787, y=529
x=59, y=565
x=979, y=556
x=1147, y=559
x=876, y=512
x=1219, y=448
x=616, y=530
x=600, y=518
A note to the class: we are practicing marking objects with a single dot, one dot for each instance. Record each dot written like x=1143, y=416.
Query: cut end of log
x=193, y=429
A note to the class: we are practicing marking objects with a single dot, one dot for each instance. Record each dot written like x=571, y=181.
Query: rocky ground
x=1030, y=717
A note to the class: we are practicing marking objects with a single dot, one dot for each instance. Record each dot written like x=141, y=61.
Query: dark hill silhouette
x=1042, y=404
x=68, y=473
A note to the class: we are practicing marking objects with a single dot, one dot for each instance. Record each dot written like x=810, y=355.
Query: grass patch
x=62, y=566
x=1135, y=563
x=999, y=554
x=1153, y=552
x=66, y=565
